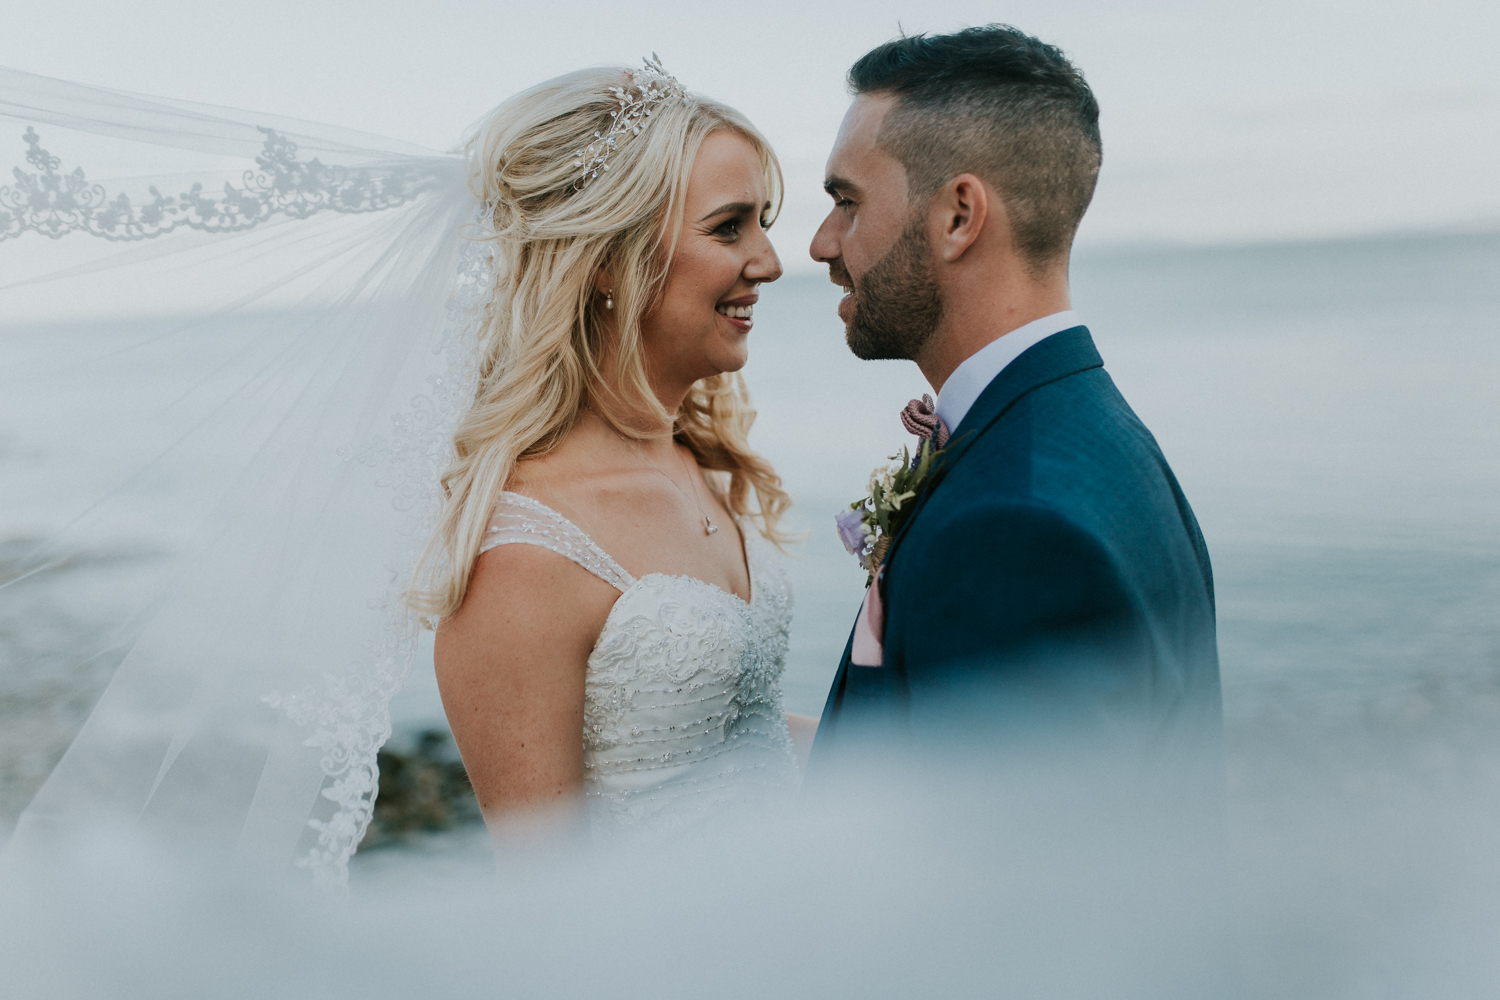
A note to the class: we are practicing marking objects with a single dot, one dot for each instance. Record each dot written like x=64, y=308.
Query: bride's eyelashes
x=729, y=229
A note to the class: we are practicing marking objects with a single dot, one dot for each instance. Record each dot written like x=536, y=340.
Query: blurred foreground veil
x=290, y=309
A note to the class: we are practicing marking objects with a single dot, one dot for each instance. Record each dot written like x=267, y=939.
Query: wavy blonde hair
x=542, y=333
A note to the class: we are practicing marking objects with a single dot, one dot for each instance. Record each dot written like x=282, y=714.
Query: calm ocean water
x=1330, y=410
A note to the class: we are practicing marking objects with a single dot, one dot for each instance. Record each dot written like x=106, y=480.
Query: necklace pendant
x=709, y=527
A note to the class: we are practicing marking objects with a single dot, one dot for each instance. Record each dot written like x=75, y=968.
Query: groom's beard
x=897, y=304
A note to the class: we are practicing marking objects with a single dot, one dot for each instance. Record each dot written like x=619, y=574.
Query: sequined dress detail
x=682, y=707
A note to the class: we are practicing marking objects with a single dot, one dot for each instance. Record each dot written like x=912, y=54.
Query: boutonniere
x=871, y=522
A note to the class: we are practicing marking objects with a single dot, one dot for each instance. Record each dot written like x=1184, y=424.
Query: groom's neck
x=981, y=305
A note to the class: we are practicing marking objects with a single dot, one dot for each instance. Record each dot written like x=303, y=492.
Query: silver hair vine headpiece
x=650, y=88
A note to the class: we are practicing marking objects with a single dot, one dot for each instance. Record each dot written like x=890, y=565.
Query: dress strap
x=519, y=519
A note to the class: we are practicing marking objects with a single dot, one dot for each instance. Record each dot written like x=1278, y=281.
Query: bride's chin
x=730, y=357
x=734, y=364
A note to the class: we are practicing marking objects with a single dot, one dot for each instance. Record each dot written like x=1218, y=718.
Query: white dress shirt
x=979, y=369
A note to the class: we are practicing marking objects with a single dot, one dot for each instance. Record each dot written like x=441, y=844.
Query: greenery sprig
x=870, y=523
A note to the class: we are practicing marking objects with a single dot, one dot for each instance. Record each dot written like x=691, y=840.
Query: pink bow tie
x=921, y=419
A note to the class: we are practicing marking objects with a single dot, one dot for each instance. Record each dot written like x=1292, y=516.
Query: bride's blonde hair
x=541, y=336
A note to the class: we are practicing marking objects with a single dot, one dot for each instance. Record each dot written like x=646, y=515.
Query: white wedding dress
x=682, y=714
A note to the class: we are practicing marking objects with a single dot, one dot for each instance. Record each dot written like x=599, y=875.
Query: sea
x=1332, y=411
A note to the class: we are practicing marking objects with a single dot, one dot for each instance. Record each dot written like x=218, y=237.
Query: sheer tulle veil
x=304, y=298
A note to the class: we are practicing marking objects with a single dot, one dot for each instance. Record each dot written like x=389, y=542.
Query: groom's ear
x=961, y=208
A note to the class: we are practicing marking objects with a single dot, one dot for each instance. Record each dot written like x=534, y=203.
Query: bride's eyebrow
x=733, y=208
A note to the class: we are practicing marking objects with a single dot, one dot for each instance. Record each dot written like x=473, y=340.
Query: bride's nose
x=765, y=265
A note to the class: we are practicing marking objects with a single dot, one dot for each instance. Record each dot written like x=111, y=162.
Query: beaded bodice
x=682, y=710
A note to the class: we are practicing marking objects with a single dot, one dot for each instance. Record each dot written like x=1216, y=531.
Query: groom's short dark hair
x=998, y=103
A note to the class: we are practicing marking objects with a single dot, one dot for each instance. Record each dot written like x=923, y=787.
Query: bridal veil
x=302, y=298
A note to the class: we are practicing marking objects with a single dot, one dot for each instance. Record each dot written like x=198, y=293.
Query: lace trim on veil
x=351, y=712
x=54, y=203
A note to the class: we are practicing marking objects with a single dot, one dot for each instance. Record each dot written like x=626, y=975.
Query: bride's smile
x=740, y=312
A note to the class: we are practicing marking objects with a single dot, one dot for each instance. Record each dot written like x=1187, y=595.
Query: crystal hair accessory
x=650, y=88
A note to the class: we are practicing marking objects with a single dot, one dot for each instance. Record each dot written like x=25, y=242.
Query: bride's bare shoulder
x=528, y=610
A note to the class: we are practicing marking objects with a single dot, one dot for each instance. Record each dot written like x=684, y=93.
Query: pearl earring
x=609, y=299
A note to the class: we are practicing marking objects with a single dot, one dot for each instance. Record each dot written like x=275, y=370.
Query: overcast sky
x=1222, y=122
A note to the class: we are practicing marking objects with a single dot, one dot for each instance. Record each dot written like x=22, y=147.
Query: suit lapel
x=1060, y=355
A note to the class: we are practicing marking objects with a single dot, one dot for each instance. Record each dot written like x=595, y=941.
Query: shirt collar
x=979, y=369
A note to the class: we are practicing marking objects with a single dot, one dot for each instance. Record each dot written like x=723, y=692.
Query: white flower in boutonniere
x=870, y=523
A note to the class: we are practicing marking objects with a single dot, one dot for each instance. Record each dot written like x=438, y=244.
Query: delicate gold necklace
x=709, y=528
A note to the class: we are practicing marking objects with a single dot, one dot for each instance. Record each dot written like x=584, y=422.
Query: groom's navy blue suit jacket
x=1051, y=583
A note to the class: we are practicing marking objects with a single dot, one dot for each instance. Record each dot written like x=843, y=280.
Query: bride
x=495, y=393
x=612, y=620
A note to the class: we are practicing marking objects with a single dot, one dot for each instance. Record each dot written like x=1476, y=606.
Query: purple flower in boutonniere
x=853, y=532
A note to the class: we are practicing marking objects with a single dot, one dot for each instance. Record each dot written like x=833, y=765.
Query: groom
x=1048, y=589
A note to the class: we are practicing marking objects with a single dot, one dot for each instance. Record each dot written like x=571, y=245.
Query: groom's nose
x=825, y=248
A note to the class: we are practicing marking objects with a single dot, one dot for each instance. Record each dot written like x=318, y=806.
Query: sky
x=1222, y=123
